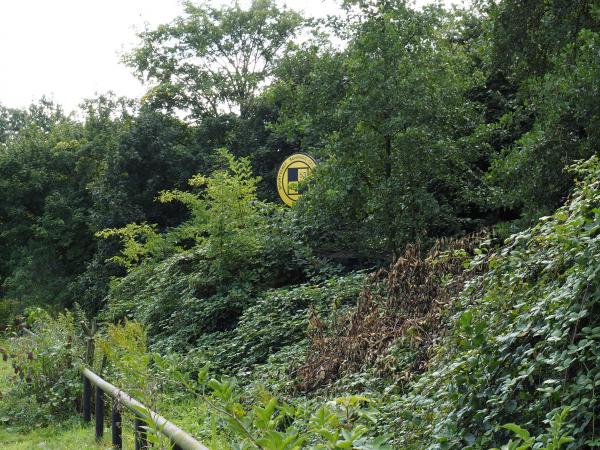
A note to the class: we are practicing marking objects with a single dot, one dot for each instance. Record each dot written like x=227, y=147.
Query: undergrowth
x=397, y=320
x=524, y=339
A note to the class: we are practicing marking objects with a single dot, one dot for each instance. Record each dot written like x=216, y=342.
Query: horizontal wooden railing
x=178, y=437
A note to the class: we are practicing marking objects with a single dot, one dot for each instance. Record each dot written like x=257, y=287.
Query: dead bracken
x=400, y=311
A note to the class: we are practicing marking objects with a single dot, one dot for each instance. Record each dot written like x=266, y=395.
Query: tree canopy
x=215, y=60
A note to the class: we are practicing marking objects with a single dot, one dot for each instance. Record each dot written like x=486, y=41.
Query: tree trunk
x=389, y=209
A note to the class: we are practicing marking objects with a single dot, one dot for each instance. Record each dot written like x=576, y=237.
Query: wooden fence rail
x=178, y=437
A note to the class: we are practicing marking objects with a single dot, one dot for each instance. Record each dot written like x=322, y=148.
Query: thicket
x=198, y=278
x=518, y=342
x=397, y=320
x=426, y=123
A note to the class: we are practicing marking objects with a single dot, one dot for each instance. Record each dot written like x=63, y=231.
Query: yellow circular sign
x=293, y=170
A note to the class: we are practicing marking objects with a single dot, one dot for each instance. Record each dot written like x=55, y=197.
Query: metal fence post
x=86, y=402
x=99, y=413
x=116, y=427
x=140, y=435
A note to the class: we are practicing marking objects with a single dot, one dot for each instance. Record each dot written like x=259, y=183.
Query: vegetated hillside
x=467, y=346
x=524, y=340
x=428, y=125
x=448, y=347
x=397, y=320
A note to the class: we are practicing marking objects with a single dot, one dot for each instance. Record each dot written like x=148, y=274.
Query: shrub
x=553, y=439
x=8, y=310
x=199, y=278
x=278, y=318
x=397, y=320
x=46, y=382
x=268, y=423
x=124, y=347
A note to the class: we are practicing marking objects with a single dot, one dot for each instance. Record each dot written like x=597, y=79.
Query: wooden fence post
x=86, y=402
x=99, y=413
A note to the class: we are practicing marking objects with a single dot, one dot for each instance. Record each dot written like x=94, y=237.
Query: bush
x=268, y=423
x=46, y=381
x=199, y=278
x=397, y=320
x=8, y=310
x=278, y=319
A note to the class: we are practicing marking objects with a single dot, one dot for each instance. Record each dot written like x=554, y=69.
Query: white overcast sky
x=69, y=50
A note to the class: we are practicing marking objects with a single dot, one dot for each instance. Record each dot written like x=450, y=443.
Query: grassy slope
x=54, y=438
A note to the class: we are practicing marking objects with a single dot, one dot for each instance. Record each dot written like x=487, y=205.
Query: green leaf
x=520, y=432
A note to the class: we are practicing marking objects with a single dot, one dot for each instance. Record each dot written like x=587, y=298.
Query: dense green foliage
x=445, y=140
x=542, y=73
x=524, y=339
x=392, y=133
x=204, y=273
x=426, y=123
x=214, y=59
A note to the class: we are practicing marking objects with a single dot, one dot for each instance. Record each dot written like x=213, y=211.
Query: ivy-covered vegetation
x=436, y=286
x=523, y=337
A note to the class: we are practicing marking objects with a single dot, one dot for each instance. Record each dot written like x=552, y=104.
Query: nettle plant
x=554, y=439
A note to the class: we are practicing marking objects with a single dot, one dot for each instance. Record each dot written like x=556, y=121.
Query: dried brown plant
x=400, y=312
